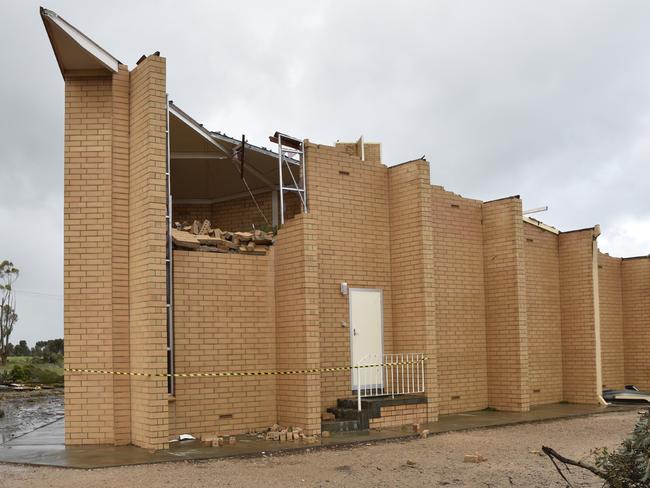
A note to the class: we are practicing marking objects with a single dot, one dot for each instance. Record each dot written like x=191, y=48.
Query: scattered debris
x=200, y=236
x=325, y=433
x=424, y=434
x=283, y=434
x=22, y=387
x=474, y=458
x=416, y=427
x=186, y=437
x=326, y=416
x=411, y=464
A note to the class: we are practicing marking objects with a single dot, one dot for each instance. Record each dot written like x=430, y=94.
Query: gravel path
x=438, y=462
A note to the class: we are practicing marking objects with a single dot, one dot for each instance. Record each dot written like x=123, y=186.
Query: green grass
x=13, y=360
x=41, y=372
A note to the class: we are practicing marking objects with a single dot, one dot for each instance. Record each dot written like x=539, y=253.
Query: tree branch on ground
x=628, y=466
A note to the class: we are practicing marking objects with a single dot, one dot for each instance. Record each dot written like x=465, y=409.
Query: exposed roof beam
x=541, y=225
x=196, y=155
x=235, y=196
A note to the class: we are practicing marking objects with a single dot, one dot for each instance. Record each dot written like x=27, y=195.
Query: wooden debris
x=185, y=239
x=205, y=228
x=261, y=237
x=201, y=236
x=244, y=236
x=207, y=240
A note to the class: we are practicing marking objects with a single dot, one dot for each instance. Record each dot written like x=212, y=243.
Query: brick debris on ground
x=511, y=457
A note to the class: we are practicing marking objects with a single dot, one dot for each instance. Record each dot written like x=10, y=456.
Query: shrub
x=628, y=466
x=32, y=373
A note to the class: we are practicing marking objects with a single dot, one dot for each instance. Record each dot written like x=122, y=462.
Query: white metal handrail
x=389, y=375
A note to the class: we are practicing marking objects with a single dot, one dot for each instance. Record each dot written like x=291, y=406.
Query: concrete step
x=344, y=414
x=341, y=425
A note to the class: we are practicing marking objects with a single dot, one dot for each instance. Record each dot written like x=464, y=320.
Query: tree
x=50, y=351
x=8, y=316
x=628, y=466
x=22, y=349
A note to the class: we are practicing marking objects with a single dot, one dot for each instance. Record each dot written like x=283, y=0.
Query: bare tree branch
x=552, y=454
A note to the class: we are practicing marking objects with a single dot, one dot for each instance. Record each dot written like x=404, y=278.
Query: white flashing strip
x=541, y=225
x=198, y=128
x=103, y=56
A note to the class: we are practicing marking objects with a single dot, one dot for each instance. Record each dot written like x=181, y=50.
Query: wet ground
x=26, y=411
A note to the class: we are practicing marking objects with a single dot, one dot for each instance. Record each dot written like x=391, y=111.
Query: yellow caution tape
x=240, y=373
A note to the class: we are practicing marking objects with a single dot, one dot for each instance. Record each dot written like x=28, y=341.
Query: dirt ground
x=438, y=461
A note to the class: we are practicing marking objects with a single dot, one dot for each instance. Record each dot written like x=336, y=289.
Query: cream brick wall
x=348, y=200
x=611, y=321
x=298, y=324
x=580, y=344
x=543, y=315
x=635, y=279
x=397, y=415
x=508, y=314
x=224, y=321
x=412, y=270
x=147, y=275
x=505, y=305
x=460, y=301
x=120, y=255
x=88, y=277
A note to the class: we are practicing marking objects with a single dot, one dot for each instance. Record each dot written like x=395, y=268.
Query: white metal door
x=366, y=336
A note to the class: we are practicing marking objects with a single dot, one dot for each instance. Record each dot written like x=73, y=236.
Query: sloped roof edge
x=55, y=25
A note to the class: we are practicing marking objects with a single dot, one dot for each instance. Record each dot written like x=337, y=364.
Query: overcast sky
x=548, y=100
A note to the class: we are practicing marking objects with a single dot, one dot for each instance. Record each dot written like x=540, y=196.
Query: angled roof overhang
x=76, y=53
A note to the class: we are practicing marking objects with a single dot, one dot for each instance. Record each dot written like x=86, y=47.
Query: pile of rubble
x=274, y=433
x=200, y=236
x=278, y=433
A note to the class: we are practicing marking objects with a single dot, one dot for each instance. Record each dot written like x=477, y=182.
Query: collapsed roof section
x=203, y=169
x=202, y=166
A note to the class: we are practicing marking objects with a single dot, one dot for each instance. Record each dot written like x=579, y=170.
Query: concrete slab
x=44, y=446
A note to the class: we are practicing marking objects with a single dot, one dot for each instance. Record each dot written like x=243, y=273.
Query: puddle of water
x=28, y=410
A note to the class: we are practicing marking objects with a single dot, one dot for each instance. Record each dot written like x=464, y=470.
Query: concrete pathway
x=44, y=446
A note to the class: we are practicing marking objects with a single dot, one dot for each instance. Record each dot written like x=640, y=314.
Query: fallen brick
x=473, y=458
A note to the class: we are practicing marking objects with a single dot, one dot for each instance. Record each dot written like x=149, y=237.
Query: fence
x=389, y=375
